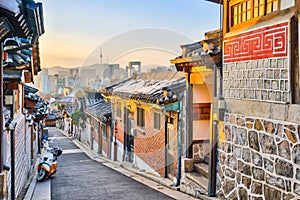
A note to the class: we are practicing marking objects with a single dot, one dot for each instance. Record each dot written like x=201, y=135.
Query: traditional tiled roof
x=204, y=52
x=41, y=109
x=211, y=45
x=18, y=51
x=22, y=19
x=28, y=89
x=12, y=75
x=101, y=110
x=149, y=87
x=26, y=18
x=5, y=27
x=32, y=97
x=93, y=98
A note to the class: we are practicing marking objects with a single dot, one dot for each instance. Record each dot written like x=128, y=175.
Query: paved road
x=79, y=177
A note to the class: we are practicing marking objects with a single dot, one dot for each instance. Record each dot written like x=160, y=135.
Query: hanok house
x=199, y=61
x=98, y=131
x=20, y=27
x=30, y=101
x=147, y=114
x=260, y=146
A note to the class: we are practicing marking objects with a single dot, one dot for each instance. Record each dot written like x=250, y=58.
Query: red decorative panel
x=270, y=41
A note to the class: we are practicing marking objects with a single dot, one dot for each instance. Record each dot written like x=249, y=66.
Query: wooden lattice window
x=258, y=8
x=272, y=5
x=248, y=9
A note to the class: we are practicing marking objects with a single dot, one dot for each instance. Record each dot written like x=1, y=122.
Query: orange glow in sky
x=75, y=28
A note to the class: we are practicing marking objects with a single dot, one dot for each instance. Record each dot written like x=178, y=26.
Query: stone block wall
x=260, y=144
x=259, y=158
x=259, y=80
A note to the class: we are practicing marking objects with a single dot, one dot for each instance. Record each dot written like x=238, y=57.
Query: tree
x=78, y=116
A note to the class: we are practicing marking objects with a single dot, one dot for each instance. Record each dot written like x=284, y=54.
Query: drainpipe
x=115, y=142
x=189, y=142
x=99, y=133
x=178, y=174
x=111, y=139
x=11, y=126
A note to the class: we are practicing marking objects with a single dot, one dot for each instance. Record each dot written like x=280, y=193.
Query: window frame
x=250, y=15
x=118, y=110
x=140, y=117
x=156, y=121
x=104, y=131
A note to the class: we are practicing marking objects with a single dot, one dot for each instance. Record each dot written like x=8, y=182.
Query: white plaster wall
x=95, y=146
x=201, y=130
x=286, y=4
x=104, y=154
x=201, y=94
x=85, y=134
x=120, y=151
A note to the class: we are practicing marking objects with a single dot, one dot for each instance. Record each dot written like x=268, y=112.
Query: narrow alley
x=80, y=177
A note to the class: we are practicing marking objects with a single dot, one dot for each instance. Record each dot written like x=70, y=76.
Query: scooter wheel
x=41, y=176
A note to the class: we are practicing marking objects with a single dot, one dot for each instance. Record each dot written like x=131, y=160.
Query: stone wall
x=260, y=80
x=259, y=158
x=201, y=151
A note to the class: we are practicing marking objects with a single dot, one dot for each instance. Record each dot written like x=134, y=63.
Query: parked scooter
x=48, y=164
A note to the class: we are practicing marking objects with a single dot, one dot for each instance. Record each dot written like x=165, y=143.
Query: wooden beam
x=294, y=61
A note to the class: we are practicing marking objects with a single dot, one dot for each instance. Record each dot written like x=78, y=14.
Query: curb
x=30, y=190
x=32, y=181
x=99, y=158
x=153, y=178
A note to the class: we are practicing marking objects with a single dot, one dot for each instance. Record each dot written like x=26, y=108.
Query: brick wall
x=152, y=151
x=149, y=143
x=150, y=147
x=119, y=132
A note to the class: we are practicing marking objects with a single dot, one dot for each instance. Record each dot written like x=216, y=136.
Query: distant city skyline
x=77, y=28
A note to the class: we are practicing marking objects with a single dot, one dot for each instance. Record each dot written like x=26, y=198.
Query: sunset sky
x=150, y=30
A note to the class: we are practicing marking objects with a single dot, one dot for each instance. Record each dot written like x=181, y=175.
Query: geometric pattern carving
x=270, y=41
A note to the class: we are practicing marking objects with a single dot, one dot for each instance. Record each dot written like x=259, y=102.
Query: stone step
x=194, y=184
x=202, y=169
x=198, y=179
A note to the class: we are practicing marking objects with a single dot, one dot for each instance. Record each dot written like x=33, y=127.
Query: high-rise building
x=45, y=82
